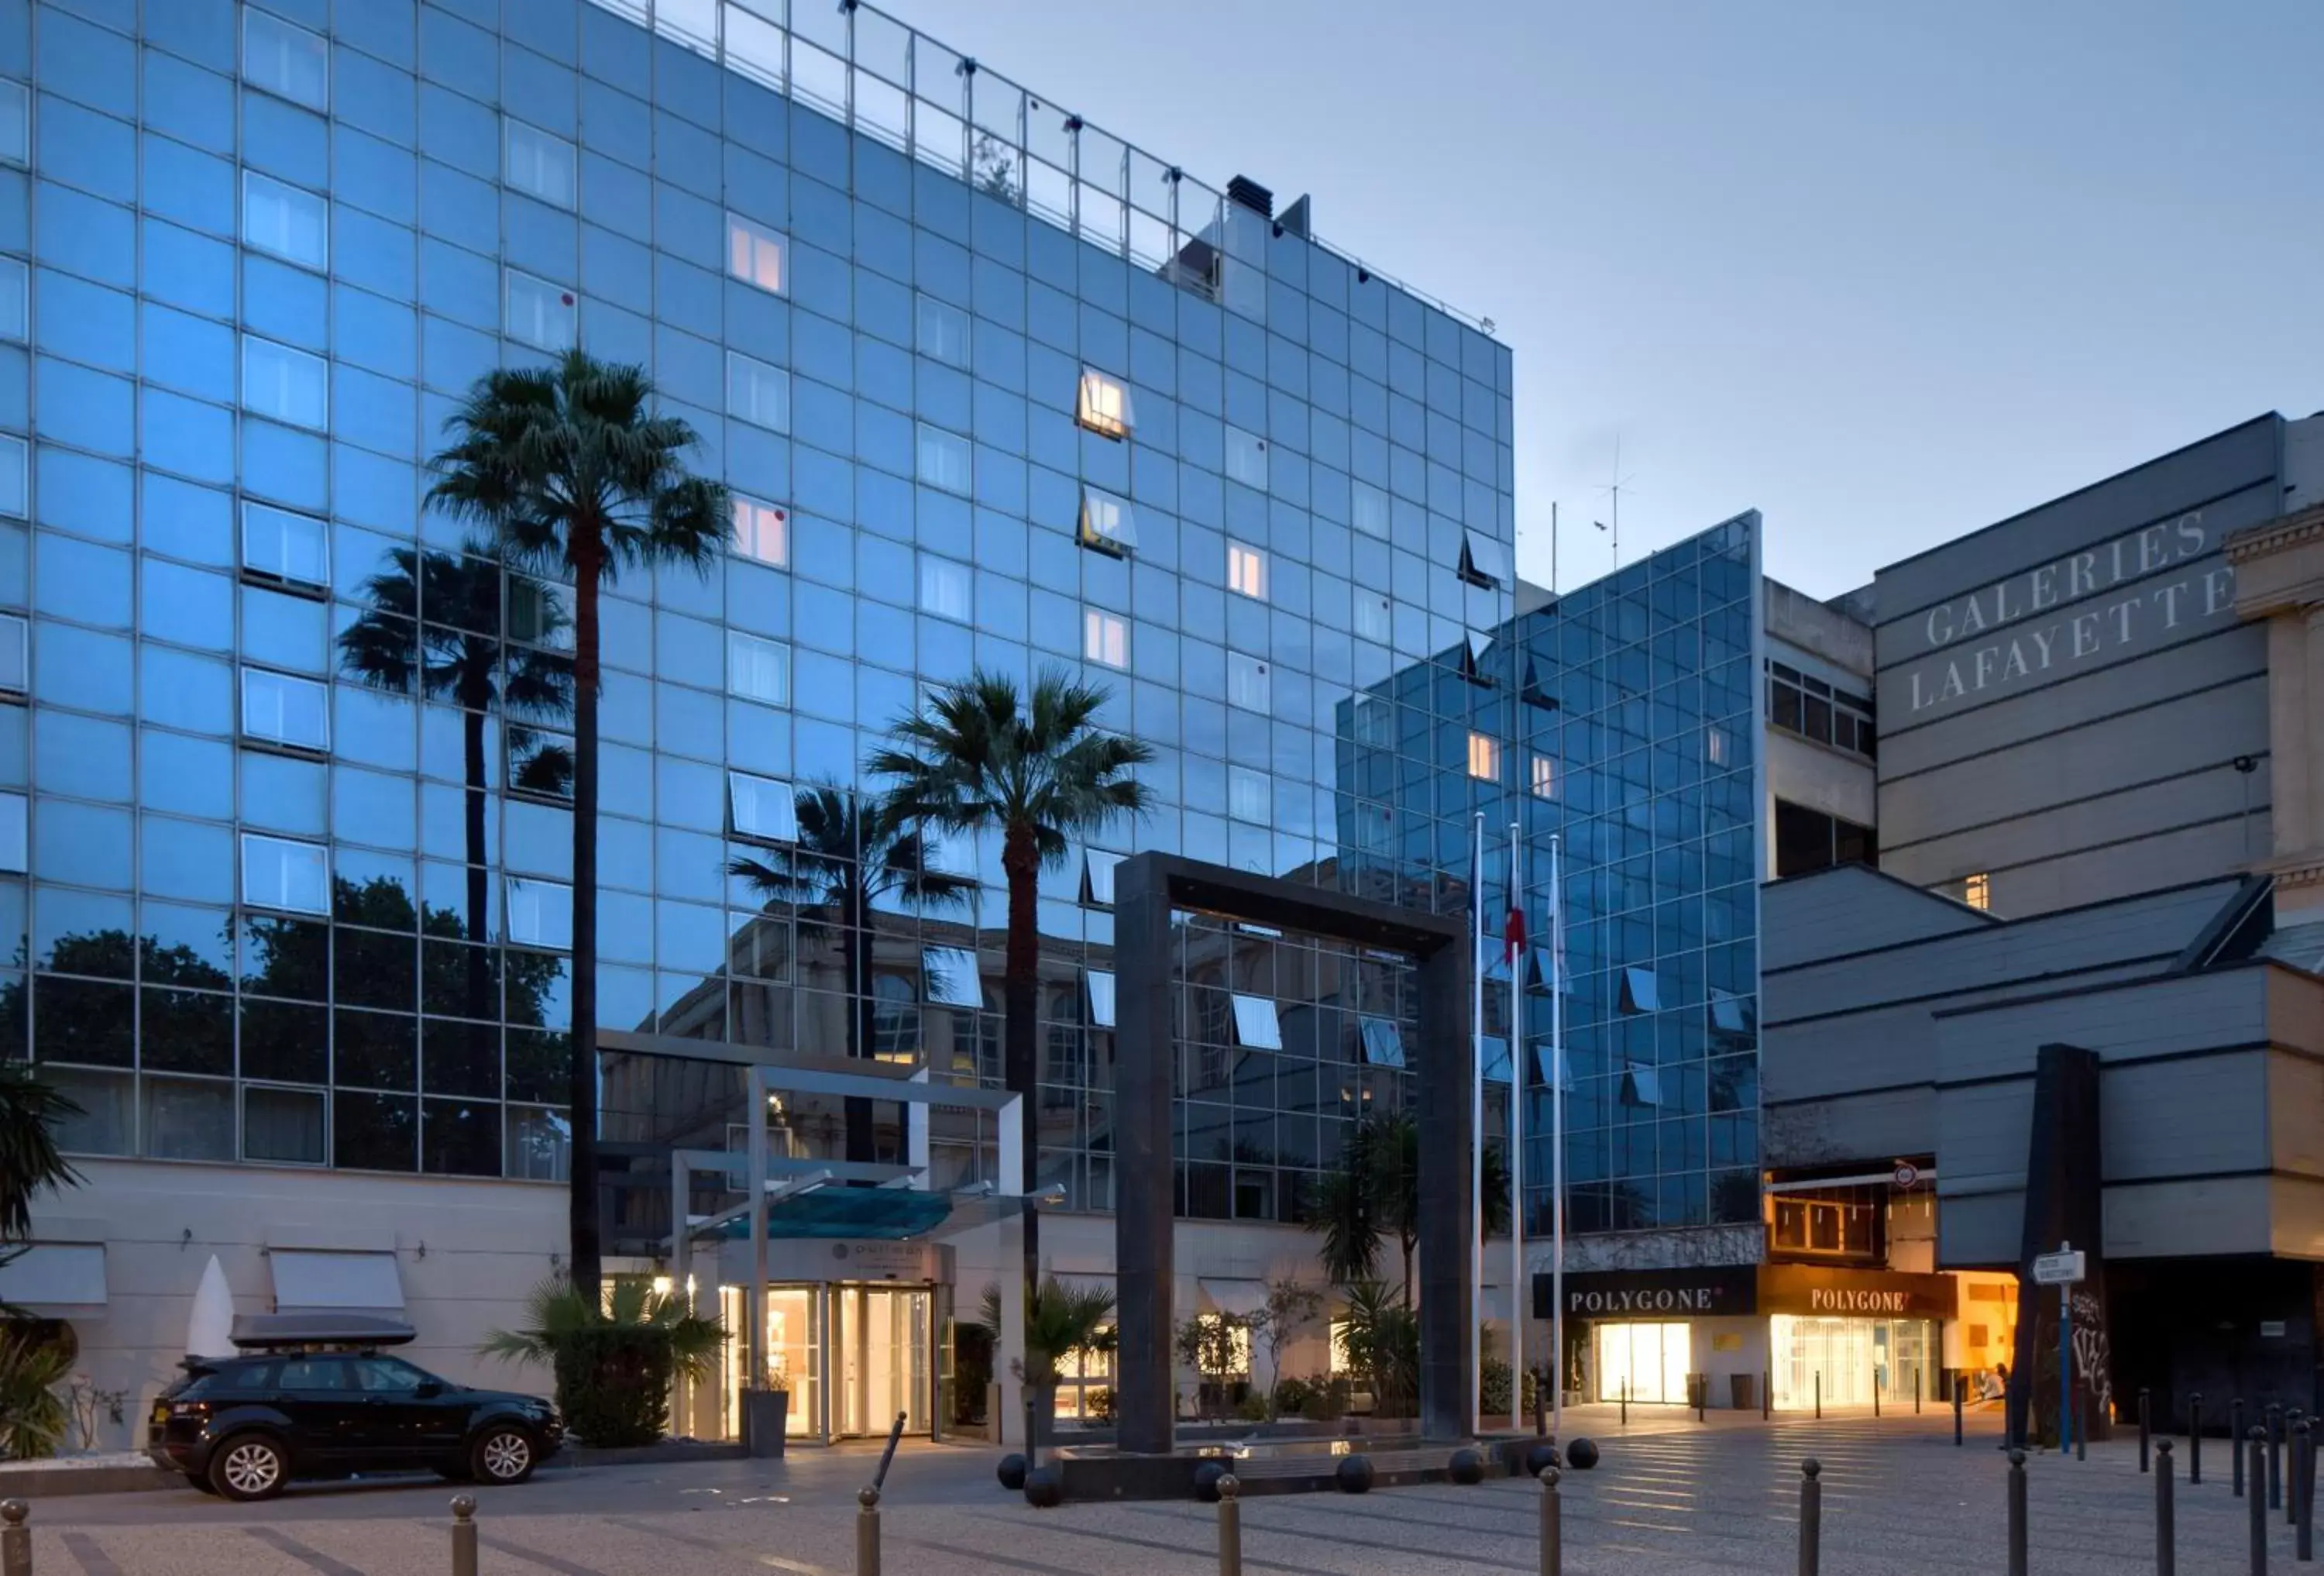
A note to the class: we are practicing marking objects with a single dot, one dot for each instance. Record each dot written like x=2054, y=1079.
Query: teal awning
x=890, y=1213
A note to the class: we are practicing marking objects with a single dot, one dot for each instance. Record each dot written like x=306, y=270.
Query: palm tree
x=860, y=851
x=457, y=657
x=1375, y=1189
x=570, y=472
x=1062, y=1320
x=650, y=1338
x=980, y=756
x=30, y=1161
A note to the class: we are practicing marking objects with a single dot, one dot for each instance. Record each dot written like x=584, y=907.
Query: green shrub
x=1291, y=1397
x=613, y=1366
x=1252, y=1408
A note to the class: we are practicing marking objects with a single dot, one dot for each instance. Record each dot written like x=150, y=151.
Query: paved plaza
x=1671, y=1499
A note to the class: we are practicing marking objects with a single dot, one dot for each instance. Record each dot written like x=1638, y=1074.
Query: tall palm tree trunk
x=1021, y=862
x=581, y=1073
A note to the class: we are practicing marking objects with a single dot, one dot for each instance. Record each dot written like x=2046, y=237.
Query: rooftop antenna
x=1614, y=490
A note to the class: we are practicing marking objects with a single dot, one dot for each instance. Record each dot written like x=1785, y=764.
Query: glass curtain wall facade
x=287, y=755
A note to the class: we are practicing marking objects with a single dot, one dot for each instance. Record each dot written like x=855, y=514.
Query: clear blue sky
x=1887, y=270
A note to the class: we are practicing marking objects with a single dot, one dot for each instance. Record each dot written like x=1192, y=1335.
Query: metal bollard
x=2236, y=1441
x=1961, y=1399
x=2146, y=1434
x=1916, y=1390
x=1811, y=1516
x=16, y=1539
x=1766, y=1395
x=1819, y=1388
x=2195, y=1437
x=2081, y=1427
x=2293, y=1422
x=1552, y=1534
x=1702, y=1395
x=2274, y=1416
x=1626, y=1403
x=2303, y=1491
x=867, y=1531
x=464, y=1537
x=1230, y=1526
x=1875, y=1392
x=2257, y=1450
x=2017, y=1512
x=2166, y=1519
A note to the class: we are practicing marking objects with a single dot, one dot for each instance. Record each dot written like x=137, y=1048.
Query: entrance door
x=882, y=1345
x=1652, y=1360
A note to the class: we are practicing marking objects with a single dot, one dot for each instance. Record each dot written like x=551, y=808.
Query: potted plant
x=767, y=1411
x=1063, y=1320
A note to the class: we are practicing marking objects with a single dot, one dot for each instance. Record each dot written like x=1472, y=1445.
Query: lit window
x=1248, y=683
x=1246, y=458
x=540, y=313
x=1247, y=571
x=758, y=669
x=280, y=873
x=284, y=220
x=1104, y=403
x=538, y=164
x=540, y=913
x=1100, y=998
x=284, y=710
x=1370, y=509
x=1249, y=796
x=285, y=60
x=754, y=254
x=1976, y=891
x=762, y=532
x=943, y=587
x=1097, y=875
x=1372, y=621
x=289, y=385
x=11, y=476
x=1382, y=1039
x=13, y=679
x=762, y=808
x=16, y=121
x=952, y=976
x=1545, y=777
x=15, y=832
x=942, y=460
x=1105, y=638
x=1484, y=561
x=1484, y=756
x=1256, y=1026
x=758, y=393
x=1108, y=523
x=944, y=331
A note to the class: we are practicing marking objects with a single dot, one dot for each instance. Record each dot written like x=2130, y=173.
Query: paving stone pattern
x=1670, y=1499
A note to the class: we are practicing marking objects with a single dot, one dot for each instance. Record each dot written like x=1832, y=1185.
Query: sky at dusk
x=1888, y=272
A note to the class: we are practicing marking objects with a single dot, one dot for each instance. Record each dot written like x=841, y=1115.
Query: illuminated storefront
x=851, y=1329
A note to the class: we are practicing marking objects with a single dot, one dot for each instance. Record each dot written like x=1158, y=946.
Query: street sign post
x=2064, y=1269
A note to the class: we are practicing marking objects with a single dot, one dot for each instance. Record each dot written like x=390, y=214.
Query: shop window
x=1104, y=406
x=755, y=254
x=762, y=532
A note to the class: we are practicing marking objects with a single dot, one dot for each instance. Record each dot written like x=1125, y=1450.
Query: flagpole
x=1517, y=1135
x=1556, y=1139
x=1477, y=1124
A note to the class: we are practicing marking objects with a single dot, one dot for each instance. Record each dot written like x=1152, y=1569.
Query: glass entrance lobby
x=853, y=1356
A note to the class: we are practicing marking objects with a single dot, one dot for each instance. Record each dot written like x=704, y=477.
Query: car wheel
x=249, y=1465
x=196, y=1480
x=503, y=1453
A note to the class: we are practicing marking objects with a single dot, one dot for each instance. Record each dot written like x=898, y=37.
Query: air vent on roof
x=1251, y=195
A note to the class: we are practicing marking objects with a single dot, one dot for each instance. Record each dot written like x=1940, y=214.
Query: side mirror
x=428, y=1389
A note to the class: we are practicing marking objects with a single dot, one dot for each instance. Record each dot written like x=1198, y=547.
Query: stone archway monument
x=1146, y=888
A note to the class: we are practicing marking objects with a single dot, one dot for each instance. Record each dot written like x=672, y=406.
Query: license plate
x=161, y=1411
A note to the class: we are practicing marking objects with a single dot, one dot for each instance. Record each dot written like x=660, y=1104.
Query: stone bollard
x=2145, y=1430
x=15, y=1539
x=1552, y=1532
x=2236, y=1441
x=2257, y=1456
x=464, y=1535
x=2303, y=1491
x=2195, y=1437
x=2294, y=1420
x=1961, y=1399
x=1811, y=1516
x=2016, y=1513
x=2166, y=1522
x=2275, y=1425
x=1819, y=1395
x=1230, y=1526
x=867, y=1530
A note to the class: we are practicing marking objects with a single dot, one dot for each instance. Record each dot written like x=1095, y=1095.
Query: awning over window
x=1237, y=1298
x=304, y=1280
x=55, y=1275
x=889, y=1213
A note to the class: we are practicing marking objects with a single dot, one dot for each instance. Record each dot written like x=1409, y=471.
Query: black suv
x=244, y=1426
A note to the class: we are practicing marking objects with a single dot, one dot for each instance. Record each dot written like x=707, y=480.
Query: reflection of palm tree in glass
x=456, y=656
x=857, y=852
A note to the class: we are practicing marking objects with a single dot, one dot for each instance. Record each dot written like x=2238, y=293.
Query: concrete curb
x=23, y=1482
